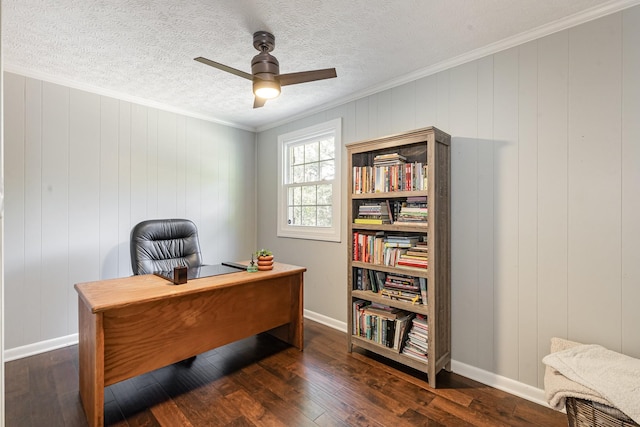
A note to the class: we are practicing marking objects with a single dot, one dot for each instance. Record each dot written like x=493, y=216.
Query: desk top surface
x=103, y=295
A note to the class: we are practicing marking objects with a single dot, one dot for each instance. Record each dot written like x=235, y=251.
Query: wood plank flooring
x=261, y=381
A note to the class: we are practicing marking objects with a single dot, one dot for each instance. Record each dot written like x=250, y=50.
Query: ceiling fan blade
x=258, y=102
x=224, y=67
x=306, y=76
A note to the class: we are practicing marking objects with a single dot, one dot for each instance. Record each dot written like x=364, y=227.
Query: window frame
x=283, y=229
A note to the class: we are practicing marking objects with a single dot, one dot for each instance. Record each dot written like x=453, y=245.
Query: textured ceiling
x=144, y=50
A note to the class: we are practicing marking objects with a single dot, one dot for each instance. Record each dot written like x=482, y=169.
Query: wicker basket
x=584, y=413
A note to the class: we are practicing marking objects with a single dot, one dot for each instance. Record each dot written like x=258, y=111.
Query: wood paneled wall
x=82, y=169
x=545, y=194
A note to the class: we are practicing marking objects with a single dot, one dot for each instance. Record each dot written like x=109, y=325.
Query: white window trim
x=331, y=234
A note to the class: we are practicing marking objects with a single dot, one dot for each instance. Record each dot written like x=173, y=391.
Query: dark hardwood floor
x=261, y=381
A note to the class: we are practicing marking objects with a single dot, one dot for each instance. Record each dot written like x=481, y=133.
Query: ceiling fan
x=265, y=71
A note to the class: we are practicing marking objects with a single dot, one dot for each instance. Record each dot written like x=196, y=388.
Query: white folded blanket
x=600, y=375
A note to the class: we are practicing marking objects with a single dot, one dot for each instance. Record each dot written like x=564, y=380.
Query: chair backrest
x=162, y=244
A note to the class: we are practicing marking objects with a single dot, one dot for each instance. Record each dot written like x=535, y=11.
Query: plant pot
x=265, y=263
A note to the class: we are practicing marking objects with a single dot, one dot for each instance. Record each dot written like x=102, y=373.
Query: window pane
x=290, y=196
x=324, y=216
x=326, y=170
x=297, y=196
x=324, y=194
x=309, y=195
x=296, y=218
x=311, y=152
x=298, y=155
x=298, y=174
x=327, y=150
x=309, y=216
x=310, y=172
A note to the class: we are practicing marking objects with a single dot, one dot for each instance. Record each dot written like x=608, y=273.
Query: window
x=309, y=182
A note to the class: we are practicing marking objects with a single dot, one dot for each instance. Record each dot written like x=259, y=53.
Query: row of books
x=388, y=178
x=393, y=286
x=384, y=325
x=416, y=344
x=412, y=211
x=400, y=251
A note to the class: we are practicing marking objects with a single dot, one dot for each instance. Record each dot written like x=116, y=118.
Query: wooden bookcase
x=430, y=146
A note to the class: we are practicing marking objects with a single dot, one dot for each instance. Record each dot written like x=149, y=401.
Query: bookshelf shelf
x=374, y=297
x=388, y=353
x=389, y=195
x=390, y=227
x=393, y=270
x=417, y=164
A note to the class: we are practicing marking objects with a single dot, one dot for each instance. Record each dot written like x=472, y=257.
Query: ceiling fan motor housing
x=265, y=66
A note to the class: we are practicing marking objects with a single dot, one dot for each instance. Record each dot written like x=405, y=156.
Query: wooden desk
x=136, y=324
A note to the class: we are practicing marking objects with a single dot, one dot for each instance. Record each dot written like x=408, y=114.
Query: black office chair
x=162, y=244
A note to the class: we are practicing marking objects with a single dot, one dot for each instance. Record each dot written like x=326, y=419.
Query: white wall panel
x=139, y=176
x=181, y=170
x=630, y=292
x=485, y=358
x=84, y=196
x=152, y=164
x=553, y=56
x=362, y=119
x=55, y=283
x=14, y=212
x=442, y=97
x=506, y=156
x=426, y=101
x=33, y=231
x=527, y=212
x=594, y=197
x=384, y=112
x=403, y=108
x=108, y=191
x=463, y=105
x=125, y=223
x=167, y=172
x=192, y=164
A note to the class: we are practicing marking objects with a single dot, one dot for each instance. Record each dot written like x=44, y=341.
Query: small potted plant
x=265, y=259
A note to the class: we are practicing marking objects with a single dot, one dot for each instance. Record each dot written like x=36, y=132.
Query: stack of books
x=389, y=159
x=374, y=213
x=416, y=256
x=413, y=212
x=416, y=345
x=395, y=246
x=402, y=288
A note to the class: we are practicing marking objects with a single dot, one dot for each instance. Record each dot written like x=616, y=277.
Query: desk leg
x=91, y=361
x=293, y=332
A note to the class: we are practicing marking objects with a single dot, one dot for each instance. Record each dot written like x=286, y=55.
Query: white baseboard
x=491, y=379
x=327, y=321
x=508, y=385
x=39, y=347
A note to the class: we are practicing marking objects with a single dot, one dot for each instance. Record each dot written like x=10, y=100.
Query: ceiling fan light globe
x=266, y=89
